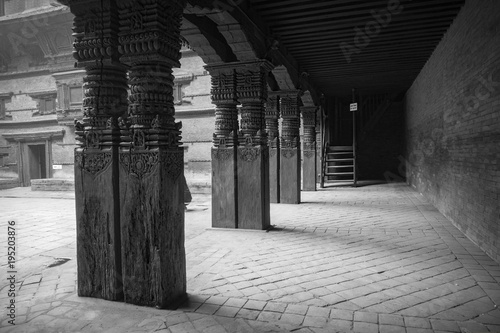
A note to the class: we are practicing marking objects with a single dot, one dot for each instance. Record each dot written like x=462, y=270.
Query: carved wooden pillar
x=253, y=152
x=290, y=148
x=272, y=130
x=151, y=159
x=309, y=148
x=224, y=172
x=96, y=158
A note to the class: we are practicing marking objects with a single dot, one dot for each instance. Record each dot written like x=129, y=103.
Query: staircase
x=340, y=165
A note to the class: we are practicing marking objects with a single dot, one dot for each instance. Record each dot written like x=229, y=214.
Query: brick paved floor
x=370, y=259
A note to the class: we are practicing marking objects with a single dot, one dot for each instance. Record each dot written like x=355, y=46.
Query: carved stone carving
x=93, y=163
x=273, y=152
x=248, y=154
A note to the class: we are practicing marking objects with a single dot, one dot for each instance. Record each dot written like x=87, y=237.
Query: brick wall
x=453, y=125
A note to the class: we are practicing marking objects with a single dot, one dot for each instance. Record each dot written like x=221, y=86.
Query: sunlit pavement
x=376, y=258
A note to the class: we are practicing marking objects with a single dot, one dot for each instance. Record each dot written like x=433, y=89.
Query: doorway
x=37, y=161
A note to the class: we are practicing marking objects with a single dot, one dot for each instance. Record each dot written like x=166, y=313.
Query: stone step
x=52, y=184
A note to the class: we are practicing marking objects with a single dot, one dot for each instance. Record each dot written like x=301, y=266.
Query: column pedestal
x=152, y=217
x=290, y=175
x=224, y=188
x=274, y=175
x=253, y=188
x=309, y=168
x=98, y=224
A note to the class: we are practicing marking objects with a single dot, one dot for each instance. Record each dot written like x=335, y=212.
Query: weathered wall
x=196, y=113
x=453, y=125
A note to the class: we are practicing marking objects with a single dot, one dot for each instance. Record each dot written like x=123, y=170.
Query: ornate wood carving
x=150, y=44
x=288, y=152
x=272, y=114
x=105, y=84
x=248, y=154
x=174, y=162
x=309, y=153
x=290, y=134
x=223, y=95
x=309, y=119
x=222, y=154
x=251, y=88
x=139, y=164
x=94, y=163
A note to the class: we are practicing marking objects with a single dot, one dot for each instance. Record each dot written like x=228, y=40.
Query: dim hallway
x=376, y=258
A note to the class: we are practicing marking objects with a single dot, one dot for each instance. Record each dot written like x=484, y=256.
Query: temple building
x=41, y=96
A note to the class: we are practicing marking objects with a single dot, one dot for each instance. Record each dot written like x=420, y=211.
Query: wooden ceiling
x=321, y=36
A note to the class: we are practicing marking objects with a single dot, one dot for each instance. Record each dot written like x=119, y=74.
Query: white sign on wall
x=353, y=107
x=57, y=167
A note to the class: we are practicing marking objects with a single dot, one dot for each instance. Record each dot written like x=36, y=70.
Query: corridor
x=376, y=258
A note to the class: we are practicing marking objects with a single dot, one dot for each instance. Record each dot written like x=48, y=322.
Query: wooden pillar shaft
x=225, y=140
x=253, y=151
x=290, y=163
x=309, y=148
x=272, y=130
x=151, y=157
x=96, y=158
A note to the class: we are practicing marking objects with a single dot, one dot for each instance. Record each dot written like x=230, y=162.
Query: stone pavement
x=370, y=259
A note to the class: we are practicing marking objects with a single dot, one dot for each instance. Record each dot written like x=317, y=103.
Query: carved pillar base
x=309, y=168
x=290, y=175
x=152, y=217
x=274, y=175
x=253, y=188
x=224, y=188
x=98, y=224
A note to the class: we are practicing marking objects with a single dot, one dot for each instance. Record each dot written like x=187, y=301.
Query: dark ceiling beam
x=404, y=35
x=275, y=51
x=362, y=21
x=209, y=30
x=320, y=10
x=328, y=32
x=373, y=47
x=321, y=36
x=266, y=4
